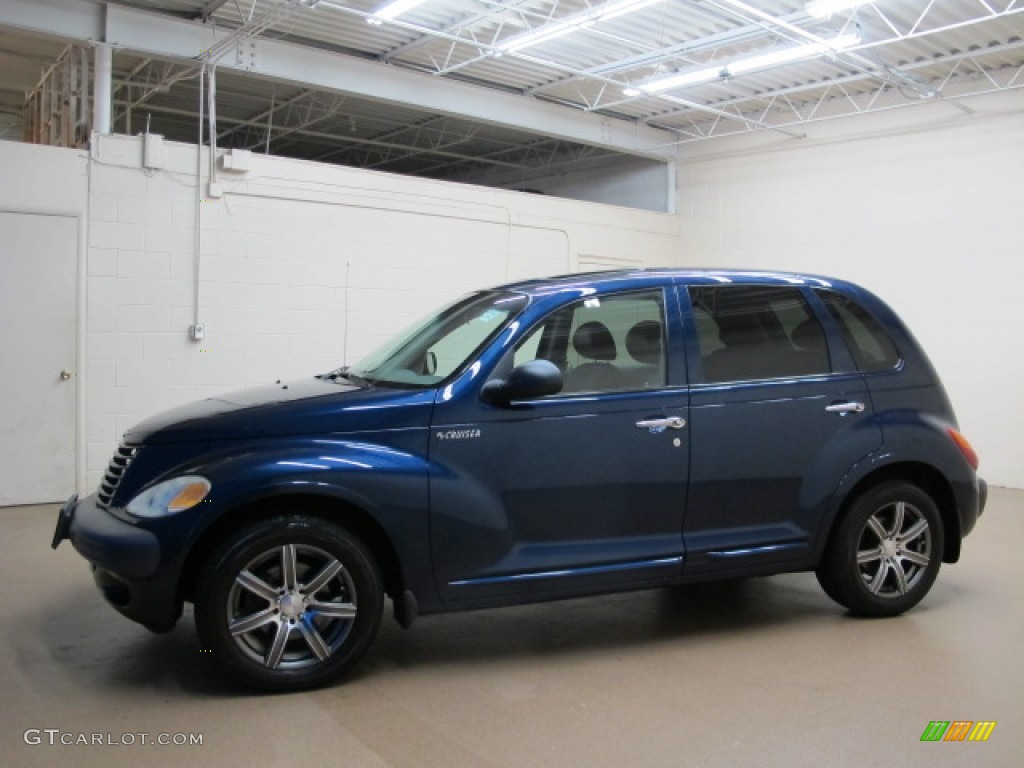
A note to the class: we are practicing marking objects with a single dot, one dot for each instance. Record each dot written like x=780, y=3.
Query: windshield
x=436, y=348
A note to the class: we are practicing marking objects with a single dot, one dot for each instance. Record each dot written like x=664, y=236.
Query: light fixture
x=542, y=34
x=693, y=77
x=391, y=10
x=580, y=20
x=786, y=55
x=742, y=66
x=822, y=9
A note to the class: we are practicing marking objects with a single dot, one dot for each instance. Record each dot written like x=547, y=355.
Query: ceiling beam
x=814, y=92
x=157, y=35
x=75, y=20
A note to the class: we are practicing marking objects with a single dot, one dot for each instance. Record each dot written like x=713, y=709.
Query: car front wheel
x=886, y=551
x=289, y=603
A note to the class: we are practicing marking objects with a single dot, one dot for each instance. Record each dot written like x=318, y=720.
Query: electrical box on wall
x=152, y=151
x=237, y=160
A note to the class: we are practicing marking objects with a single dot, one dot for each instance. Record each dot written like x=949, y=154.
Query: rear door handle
x=845, y=408
x=660, y=425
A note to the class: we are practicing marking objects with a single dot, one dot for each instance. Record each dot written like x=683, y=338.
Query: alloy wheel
x=291, y=607
x=894, y=550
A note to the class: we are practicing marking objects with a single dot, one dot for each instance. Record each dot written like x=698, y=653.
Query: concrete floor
x=766, y=672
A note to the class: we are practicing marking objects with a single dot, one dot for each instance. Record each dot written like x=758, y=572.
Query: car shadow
x=600, y=624
x=91, y=646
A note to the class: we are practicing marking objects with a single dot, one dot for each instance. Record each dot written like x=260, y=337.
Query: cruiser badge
x=457, y=434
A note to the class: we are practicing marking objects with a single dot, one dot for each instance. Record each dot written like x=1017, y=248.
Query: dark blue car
x=542, y=440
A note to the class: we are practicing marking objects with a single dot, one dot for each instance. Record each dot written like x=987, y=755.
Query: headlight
x=170, y=497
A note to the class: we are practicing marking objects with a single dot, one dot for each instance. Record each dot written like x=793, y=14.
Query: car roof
x=624, y=279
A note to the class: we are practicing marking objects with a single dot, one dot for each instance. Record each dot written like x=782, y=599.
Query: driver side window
x=603, y=344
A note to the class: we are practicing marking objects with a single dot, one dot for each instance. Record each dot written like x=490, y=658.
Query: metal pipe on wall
x=199, y=206
x=211, y=103
x=103, y=82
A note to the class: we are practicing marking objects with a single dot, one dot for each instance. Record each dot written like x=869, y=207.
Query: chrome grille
x=112, y=479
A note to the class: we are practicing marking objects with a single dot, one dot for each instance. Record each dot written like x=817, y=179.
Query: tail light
x=964, y=446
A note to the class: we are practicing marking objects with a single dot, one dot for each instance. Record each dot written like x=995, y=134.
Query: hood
x=306, y=407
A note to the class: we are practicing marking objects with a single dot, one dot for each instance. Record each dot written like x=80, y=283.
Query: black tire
x=313, y=596
x=885, y=552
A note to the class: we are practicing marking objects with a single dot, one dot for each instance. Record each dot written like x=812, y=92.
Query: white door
x=38, y=265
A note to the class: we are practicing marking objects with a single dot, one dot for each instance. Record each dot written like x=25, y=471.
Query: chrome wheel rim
x=291, y=607
x=894, y=550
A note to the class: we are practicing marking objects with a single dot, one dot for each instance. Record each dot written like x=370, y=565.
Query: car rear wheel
x=886, y=551
x=289, y=603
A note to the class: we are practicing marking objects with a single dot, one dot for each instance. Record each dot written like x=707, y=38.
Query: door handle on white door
x=845, y=408
x=65, y=375
x=659, y=425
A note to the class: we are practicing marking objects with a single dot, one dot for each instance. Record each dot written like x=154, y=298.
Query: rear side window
x=748, y=332
x=872, y=348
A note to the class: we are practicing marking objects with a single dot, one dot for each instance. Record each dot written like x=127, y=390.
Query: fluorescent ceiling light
x=786, y=55
x=391, y=10
x=683, y=79
x=824, y=8
x=542, y=34
x=742, y=66
x=569, y=24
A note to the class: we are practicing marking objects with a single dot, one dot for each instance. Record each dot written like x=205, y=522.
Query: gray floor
x=758, y=673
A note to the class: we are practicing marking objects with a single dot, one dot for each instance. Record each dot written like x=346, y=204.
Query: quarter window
x=748, y=332
x=871, y=347
x=603, y=343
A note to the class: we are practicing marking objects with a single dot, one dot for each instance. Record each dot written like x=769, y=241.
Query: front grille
x=118, y=465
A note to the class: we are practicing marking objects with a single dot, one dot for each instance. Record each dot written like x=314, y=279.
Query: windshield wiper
x=344, y=373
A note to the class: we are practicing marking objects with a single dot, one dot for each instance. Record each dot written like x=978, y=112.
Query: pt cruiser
x=542, y=440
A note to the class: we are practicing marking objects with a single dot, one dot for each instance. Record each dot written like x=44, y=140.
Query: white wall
x=923, y=206
x=303, y=267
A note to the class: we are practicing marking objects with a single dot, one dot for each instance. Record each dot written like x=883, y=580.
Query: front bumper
x=102, y=539
x=125, y=560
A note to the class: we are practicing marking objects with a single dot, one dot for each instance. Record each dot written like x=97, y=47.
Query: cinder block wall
x=302, y=267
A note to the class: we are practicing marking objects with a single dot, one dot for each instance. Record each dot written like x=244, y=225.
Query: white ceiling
x=910, y=52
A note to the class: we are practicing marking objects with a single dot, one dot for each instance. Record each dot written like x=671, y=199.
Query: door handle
x=65, y=375
x=659, y=425
x=845, y=408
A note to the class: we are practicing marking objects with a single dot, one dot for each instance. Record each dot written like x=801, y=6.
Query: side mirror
x=429, y=365
x=536, y=378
